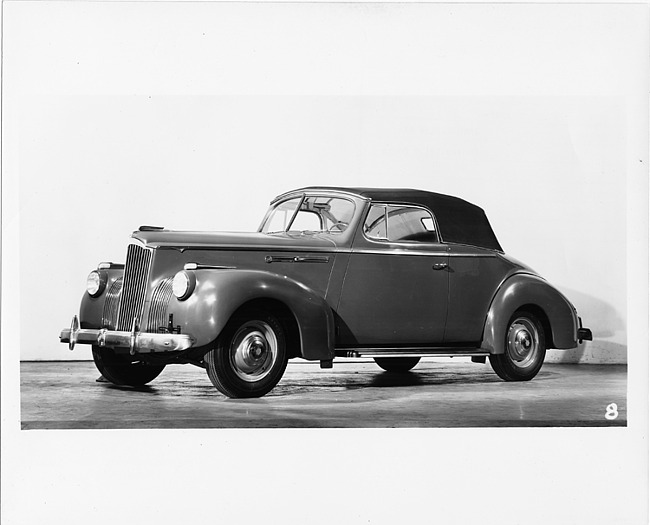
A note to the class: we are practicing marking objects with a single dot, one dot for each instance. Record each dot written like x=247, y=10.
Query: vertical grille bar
x=136, y=271
x=109, y=316
x=160, y=298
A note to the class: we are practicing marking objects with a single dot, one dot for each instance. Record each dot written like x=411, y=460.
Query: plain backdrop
x=195, y=115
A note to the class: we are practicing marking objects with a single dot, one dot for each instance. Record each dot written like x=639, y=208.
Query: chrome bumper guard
x=135, y=341
x=584, y=334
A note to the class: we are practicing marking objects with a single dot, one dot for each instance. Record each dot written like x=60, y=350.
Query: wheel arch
x=532, y=293
x=540, y=314
x=283, y=313
x=221, y=294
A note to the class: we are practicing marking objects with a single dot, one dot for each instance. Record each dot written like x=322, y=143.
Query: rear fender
x=528, y=290
x=219, y=293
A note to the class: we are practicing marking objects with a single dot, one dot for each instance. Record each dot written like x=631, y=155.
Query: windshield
x=309, y=214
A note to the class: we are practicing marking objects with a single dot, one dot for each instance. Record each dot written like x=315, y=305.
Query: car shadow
x=347, y=381
x=127, y=388
x=388, y=380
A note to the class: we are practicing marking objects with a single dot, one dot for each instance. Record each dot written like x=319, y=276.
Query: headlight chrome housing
x=96, y=283
x=183, y=284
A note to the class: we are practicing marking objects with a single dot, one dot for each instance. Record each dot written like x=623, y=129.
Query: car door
x=396, y=285
x=474, y=277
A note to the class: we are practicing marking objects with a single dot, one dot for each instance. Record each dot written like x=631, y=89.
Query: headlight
x=96, y=283
x=183, y=285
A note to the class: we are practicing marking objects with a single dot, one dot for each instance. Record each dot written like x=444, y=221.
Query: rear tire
x=250, y=356
x=525, y=348
x=397, y=364
x=119, y=370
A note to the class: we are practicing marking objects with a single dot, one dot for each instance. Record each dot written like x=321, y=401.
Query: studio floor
x=437, y=393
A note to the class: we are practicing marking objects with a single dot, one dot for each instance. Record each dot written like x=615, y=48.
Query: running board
x=412, y=352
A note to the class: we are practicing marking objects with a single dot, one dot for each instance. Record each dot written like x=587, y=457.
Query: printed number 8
x=612, y=411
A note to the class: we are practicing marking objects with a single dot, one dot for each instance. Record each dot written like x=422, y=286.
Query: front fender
x=93, y=311
x=219, y=293
x=528, y=290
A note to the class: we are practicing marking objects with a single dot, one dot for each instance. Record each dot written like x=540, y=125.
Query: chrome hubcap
x=253, y=351
x=523, y=342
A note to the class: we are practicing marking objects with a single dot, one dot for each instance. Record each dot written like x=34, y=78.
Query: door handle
x=440, y=266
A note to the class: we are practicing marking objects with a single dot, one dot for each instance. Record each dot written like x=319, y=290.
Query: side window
x=400, y=224
x=375, y=225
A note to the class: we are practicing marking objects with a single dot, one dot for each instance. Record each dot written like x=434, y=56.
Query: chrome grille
x=109, y=316
x=157, y=317
x=136, y=271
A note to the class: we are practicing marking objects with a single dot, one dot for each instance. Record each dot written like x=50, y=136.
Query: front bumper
x=135, y=341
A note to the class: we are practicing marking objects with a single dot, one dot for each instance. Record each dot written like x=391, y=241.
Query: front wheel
x=120, y=370
x=250, y=356
x=525, y=349
x=397, y=364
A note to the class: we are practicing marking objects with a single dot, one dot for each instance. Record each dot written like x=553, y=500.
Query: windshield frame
x=276, y=203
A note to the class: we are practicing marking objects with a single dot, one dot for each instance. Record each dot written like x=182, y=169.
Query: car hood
x=237, y=240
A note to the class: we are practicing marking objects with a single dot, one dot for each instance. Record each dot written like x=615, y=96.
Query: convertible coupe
x=389, y=274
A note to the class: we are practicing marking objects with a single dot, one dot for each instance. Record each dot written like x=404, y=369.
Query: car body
x=392, y=274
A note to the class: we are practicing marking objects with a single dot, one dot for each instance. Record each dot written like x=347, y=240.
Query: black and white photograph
x=336, y=262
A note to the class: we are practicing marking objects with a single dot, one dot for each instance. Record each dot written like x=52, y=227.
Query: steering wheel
x=338, y=226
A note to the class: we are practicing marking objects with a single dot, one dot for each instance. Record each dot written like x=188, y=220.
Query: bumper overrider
x=135, y=341
x=584, y=334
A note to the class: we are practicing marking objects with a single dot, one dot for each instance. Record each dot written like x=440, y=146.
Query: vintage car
x=390, y=274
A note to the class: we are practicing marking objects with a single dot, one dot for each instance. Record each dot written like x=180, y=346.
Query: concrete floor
x=437, y=393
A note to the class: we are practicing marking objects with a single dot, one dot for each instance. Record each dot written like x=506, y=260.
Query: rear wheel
x=525, y=349
x=397, y=364
x=120, y=370
x=250, y=356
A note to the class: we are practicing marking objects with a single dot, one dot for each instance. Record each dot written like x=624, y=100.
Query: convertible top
x=459, y=221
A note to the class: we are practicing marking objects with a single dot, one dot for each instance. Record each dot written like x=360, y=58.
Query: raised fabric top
x=458, y=220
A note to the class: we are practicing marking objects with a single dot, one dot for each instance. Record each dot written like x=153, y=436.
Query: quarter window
x=400, y=224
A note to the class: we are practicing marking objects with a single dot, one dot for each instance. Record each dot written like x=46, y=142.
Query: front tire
x=250, y=356
x=525, y=349
x=120, y=370
x=397, y=364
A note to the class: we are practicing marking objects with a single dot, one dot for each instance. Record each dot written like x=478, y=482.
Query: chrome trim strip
x=420, y=349
x=423, y=354
x=110, y=266
x=199, y=266
x=297, y=259
x=312, y=258
x=474, y=255
x=422, y=252
x=400, y=252
x=414, y=351
x=260, y=248
x=394, y=249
